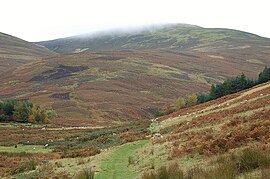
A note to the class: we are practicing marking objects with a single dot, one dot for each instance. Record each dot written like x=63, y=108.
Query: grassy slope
x=159, y=151
x=185, y=134
x=250, y=113
x=15, y=52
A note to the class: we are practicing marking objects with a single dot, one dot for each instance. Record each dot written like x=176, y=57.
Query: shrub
x=51, y=114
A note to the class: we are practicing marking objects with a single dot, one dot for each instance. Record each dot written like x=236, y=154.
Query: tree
x=22, y=111
x=264, y=76
x=192, y=100
x=51, y=114
x=202, y=98
x=38, y=115
x=8, y=106
x=179, y=103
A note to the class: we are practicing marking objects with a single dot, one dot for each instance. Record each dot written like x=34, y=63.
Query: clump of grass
x=81, y=161
x=85, y=174
x=171, y=172
x=225, y=171
x=252, y=159
x=58, y=164
x=131, y=160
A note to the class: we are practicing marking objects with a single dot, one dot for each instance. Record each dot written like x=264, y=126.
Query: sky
x=39, y=20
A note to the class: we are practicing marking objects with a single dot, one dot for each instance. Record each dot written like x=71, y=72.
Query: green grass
x=25, y=148
x=117, y=166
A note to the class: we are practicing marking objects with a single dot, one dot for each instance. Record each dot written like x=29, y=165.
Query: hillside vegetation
x=14, y=52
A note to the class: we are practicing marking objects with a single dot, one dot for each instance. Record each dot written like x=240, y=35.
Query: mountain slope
x=143, y=72
x=15, y=52
x=94, y=87
x=174, y=37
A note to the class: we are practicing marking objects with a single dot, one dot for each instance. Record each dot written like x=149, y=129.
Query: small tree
x=264, y=76
x=51, y=114
x=179, y=103
x=192, y=100
x=38, y=115
x=8, y=106
x=22, y=111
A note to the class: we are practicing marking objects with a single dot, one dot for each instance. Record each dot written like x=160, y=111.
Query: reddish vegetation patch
x=200, y=135
x=8, y=163
x=129, y=92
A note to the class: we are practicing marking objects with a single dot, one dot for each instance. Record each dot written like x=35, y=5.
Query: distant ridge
x=171, y=36
x=15, y=52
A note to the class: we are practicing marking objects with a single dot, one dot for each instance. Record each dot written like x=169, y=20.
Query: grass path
x=116, y=165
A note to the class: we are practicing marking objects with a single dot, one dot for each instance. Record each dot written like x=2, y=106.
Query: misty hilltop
x=173, y=37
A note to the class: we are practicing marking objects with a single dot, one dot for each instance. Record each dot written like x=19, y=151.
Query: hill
x=124, y=76
x=104, y=87
x=171, y=37
x=200, y=139
x=15, y=52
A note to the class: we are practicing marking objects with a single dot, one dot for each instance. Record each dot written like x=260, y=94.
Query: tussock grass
x=85, y=174
x=224, y=167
